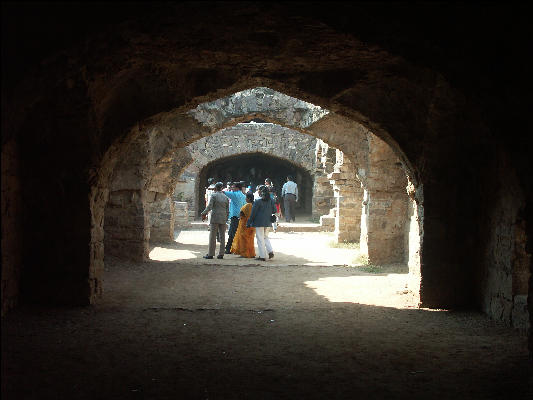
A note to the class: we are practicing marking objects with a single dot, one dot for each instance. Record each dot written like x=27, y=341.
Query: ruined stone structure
x=142, y=208
x=95, y=125
x=269, y=139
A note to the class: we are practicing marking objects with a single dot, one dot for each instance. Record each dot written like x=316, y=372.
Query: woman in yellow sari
x=243, y=243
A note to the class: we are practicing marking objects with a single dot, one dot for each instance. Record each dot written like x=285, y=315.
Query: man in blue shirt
x=289, y=193
x=237, y=200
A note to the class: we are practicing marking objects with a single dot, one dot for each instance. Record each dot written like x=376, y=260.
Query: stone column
x=127, y=228
x=348, y=196
x=181, y=214
x=161, y=214
x=384, y=206
x=323, y=195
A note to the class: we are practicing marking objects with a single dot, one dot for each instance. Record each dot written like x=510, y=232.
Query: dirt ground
x=308, y=324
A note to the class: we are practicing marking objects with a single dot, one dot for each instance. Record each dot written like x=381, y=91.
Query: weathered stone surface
x=161, y=218
x=127, y=224
x=453, y=114
x=252, y=138
x=260, y=101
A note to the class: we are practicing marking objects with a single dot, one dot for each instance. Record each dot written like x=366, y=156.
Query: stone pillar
x=98, y=201
x=385, y=206
x=127, y=231
x=348, y=196
x=521, y=261
x=323, y=194
x=161, y=213
x=414, y=237
x=186, y=191
x=181, y=214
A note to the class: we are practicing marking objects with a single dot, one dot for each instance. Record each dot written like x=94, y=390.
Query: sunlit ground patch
x=383, y=290
x=192, y=237
x=165, y=254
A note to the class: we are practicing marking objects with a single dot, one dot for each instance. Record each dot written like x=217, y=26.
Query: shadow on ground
x=190, y=330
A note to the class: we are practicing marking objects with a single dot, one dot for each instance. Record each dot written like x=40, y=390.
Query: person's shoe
x=270, y=255
x=221, y=256
x=227, y=252
x=260, y=258
x=207, y=256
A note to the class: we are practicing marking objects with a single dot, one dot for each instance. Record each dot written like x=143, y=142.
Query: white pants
x=263, y=242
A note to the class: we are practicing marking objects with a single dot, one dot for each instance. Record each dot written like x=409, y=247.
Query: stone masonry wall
x=348, y=196
x=324, y=202
x=503, y=283
x=386, y=205
x=161, y=216
x=267, y=138
x=181, y=214
x=126, y=225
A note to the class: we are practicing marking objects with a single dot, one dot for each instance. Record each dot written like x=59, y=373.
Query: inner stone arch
x=254, y=168
x=157, y=155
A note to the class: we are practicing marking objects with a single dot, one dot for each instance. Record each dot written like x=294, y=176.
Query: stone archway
x=280, y=142
x=157, y=150
x=254, y=168
x=69, y=119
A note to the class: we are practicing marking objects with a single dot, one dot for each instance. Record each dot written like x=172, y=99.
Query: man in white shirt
x=289, y=193
x=209, y=190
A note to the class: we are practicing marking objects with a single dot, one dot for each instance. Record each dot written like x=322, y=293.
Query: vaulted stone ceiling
x=429, y=79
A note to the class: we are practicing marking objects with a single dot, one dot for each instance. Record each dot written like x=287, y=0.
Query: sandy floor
x=305, y=325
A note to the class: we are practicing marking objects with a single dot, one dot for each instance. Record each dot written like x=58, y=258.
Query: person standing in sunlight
x=261, y=218
x=243, y=244
x=219, y=207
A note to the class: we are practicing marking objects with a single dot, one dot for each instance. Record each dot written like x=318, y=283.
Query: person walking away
x=237, y=201
x=273, y=196
x=260, y=219
x=219, y=207
x=257, y=194
x=289, y=193
x=243, y=243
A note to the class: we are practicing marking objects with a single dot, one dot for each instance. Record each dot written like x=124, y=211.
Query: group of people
x=249, y=214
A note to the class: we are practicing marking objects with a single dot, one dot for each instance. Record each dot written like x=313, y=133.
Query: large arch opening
x=366, y=173
x=254, y=168
x=69, y=124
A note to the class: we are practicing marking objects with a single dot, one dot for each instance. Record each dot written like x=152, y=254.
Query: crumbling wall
x=70, y=109
x=324, y=196
x=504, y=273
x=267, y=138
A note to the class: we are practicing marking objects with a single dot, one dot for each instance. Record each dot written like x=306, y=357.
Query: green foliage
x=373, y=269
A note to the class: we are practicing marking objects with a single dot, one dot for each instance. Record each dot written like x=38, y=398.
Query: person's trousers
x=289, y=201
x=263, y=242
x=221, y=230
x=233, y=225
